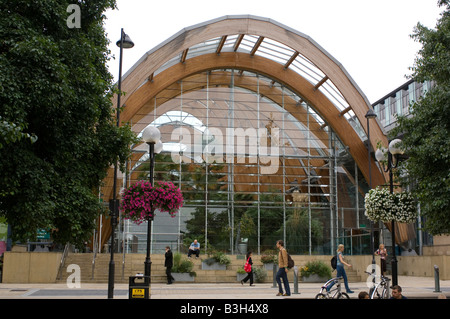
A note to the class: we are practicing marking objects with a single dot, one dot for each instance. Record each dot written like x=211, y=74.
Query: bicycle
x=381, y=289
x=334, y=292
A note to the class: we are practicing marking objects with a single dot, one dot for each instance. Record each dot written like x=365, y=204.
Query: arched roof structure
x=263, y=46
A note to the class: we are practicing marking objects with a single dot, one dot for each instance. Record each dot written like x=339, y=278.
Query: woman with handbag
x=248, y=269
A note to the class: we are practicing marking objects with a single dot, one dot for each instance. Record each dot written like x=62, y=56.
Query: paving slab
x=413, y=287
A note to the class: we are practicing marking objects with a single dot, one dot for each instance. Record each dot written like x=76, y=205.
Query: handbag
x=248, y=267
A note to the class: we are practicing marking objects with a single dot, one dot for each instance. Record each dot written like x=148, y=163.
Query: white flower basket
x=383, y=206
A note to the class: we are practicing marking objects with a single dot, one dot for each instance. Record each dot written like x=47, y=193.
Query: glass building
x=264, y=135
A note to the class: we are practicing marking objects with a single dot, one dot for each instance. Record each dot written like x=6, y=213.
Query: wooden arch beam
x=261, y=27
x=142, y=97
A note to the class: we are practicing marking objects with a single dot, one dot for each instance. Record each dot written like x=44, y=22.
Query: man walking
x=168, y=263
x=282, y=270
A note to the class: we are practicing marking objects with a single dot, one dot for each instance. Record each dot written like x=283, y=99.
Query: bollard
x=437, y=287
x=274, y=281
x=295, y=280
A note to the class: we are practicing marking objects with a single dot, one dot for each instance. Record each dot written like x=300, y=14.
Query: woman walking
x=249, y=274
x=340, y=269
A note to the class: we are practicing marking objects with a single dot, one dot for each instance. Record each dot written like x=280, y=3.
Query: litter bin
x=138, y=287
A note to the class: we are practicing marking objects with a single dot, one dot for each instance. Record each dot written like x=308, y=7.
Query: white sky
x=371, y=39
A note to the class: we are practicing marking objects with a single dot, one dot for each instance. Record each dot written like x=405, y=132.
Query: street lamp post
x=370, y=115
x=393, y=159
x=152, y=136
x=124, y=42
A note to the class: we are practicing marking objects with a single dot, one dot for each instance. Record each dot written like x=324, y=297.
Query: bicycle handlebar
x=380, y=276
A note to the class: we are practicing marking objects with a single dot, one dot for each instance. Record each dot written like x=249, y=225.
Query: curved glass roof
x=236, y=107
x=280, y=53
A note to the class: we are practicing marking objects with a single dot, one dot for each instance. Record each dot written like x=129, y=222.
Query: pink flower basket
x=140, y=200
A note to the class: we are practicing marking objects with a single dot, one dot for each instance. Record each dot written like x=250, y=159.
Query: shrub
x=269, y=256
x=260, y=274
x=317, y=267
x=218, y=257
x=182, y=265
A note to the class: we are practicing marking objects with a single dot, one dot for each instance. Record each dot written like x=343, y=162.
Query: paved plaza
x=413, y=288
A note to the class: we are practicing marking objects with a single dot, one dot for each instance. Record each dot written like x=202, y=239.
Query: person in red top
x=249, y=274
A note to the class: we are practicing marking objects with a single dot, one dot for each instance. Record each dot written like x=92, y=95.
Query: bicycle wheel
x=321, y=296
x=342, y=295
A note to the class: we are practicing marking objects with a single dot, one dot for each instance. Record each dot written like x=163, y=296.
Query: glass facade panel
x=255, y=164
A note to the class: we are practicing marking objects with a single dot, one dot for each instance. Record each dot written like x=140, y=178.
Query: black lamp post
x=124, y=42
x=370, y=115
x=393, y=159
x=152, y=136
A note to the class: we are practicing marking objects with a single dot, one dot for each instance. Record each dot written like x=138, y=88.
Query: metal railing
x=63, y=260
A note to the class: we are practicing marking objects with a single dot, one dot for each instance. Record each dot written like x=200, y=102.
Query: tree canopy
x=426, y=130
x=58, y=134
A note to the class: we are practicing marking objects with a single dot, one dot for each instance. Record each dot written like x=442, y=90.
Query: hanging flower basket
x=140, y=200
x=383, y=206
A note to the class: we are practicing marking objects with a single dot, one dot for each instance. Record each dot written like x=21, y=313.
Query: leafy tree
x=297, y=231
x=427, y=130
x=271, y=219
x=55, y=88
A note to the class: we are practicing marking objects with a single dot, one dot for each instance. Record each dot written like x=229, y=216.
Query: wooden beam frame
x=140, y=90
x=184, y=55
x=238, y=42
x=256, y=46
x=292, y=59
x=142, y=97
x=320, y=83
x=221, y=44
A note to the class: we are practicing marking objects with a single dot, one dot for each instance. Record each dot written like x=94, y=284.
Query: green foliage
x=241, y=270
x=217, y=257
x=427, y=131
x=11, y=133
x=56, y=90
x=269, y=257
x=298, y=225
x=182, y=265
x=259, y=274
x=317, y=267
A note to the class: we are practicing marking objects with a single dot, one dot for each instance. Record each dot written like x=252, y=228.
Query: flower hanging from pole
x=140, y=200
x=383, y=206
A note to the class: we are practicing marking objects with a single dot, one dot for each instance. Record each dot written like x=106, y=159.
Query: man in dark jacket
x=168, y=263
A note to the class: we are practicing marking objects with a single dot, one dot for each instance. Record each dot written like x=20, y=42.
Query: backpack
x=334, y=262
x=290, y=261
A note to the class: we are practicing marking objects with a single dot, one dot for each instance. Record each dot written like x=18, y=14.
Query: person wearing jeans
x=340, y=269
x=282, y=270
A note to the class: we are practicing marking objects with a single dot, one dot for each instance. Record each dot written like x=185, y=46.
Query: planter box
x=268, y=267
x=214, y=266
x=314, y=278
x=182, y=277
